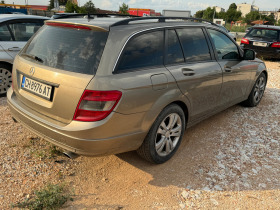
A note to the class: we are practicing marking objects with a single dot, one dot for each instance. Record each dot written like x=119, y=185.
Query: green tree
x=71, y=7
x=199, y=14
x=2, y=2
x=124, y=9
x=88, y=8
x=232, y=15
x=51, y=5
x=233, y=6
x=251, y=16
x=270, y=18
x=208, y=13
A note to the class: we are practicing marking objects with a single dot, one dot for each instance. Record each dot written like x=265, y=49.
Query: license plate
x=260, y=44
x=36, y=87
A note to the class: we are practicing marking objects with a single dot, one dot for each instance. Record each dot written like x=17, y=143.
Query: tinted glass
x=174, y=52
x=5, y=34
x=266, y=34
x=24, y=31
x=142, y=51
x=68, y=49
x=194, y=44
x=225, y=48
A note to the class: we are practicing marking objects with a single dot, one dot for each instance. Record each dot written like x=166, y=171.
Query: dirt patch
x=230, y=160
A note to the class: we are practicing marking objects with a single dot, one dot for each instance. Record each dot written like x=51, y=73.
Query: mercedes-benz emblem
x=32, y=71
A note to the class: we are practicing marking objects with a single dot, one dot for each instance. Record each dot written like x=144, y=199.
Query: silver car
x=111, y=85
x=15, y=31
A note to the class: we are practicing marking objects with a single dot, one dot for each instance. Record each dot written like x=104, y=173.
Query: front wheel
x=257, y=92
x=165, y=135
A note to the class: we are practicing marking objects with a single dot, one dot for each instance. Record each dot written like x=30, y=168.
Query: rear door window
x=5, y=34
x=225, y=48
x=23, y=31
x=142, y=51
x=70, y=49
x=194, y=44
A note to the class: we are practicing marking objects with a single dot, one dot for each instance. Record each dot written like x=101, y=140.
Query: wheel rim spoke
x=168, y=134
x=160, y=145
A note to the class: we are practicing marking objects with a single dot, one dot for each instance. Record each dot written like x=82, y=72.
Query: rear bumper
x=267, y=52
x=72, y=137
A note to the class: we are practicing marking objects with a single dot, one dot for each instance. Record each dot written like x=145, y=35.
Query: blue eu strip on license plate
x=23, y=81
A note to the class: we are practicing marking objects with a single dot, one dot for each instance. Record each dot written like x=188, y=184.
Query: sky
x=159, y=5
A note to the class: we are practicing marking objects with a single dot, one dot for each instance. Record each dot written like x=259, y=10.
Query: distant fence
x=8, y=10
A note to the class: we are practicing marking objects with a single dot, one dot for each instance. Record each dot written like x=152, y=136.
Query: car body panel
x=145, y=92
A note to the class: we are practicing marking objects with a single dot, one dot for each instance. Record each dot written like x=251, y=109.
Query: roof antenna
x=89, y=17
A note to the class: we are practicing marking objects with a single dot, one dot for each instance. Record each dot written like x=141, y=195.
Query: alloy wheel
x=168, y=134
x=5, y=80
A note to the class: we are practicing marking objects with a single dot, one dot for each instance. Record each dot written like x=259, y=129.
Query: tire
x=5, y=78
x=164, y=137
x=257, y=92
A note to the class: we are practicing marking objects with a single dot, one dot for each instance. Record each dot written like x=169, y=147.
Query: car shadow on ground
x=237, y=149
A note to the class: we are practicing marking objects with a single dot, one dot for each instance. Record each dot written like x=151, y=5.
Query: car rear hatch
x=261, y=39
x=53, y=70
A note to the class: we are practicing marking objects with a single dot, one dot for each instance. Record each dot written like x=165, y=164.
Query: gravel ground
x=230, y=160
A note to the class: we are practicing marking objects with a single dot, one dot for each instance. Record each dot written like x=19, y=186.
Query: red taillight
x=96, y=105
x=68, y=25
x=276, y=44
x=244, y=41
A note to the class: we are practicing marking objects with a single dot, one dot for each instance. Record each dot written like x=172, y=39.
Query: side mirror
x=249, y=54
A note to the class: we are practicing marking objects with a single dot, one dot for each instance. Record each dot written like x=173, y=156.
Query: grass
x=46, y=153
x=50, y=197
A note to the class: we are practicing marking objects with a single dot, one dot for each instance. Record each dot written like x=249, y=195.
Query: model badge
x=32, y=71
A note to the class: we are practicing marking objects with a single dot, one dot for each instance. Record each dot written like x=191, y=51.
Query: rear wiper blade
x=34, y=57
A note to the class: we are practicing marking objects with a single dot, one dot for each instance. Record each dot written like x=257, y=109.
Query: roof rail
x=160, y=19
x=62, y=16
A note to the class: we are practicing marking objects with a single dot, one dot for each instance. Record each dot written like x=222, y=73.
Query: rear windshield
x=74, y=50
x=266, y=34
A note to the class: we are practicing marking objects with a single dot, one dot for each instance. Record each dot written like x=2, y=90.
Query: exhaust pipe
x=70, y=155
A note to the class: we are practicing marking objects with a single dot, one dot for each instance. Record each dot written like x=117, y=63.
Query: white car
x=15, y=31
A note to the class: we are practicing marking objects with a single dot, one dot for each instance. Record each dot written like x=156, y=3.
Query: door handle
x=227, y=69
x=14, y=49
x=187, y=72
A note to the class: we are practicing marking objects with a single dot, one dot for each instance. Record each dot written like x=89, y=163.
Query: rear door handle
x=14, y=49
x=187, y=72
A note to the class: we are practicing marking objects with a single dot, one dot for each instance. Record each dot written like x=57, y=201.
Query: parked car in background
x=112, y=85
x=232, y=35
x=264, y=40
x=248, y=29
x=15, y=31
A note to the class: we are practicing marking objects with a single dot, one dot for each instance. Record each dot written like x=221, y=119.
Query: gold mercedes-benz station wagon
x=107, y=85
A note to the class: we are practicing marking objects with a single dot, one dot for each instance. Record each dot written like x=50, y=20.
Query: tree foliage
x=124, y=9
x=251, y=16
x=199, y=14
x=71, y=7
x=233, y=6
x=88, y=8
x=208, y=13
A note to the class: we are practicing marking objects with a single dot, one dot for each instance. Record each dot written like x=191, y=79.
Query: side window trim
x=166, y=48
x=116, y=71
x=210, y=46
